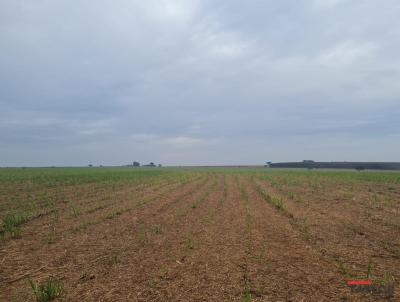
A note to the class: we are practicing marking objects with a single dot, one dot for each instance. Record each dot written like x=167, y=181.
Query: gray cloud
x=198, y=82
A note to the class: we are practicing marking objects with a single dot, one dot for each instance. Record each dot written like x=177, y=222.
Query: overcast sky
x=198, y=82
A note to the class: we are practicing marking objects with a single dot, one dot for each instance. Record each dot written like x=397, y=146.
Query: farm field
x=198, y=234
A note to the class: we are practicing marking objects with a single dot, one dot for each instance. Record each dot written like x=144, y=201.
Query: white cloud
x=325, y=4
x=347, y=52
x=143, y=137
x=183, y=142
x=99, y=127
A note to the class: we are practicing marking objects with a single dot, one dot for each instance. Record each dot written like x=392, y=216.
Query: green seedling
x=190, y=242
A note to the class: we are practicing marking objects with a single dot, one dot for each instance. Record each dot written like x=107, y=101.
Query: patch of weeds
x=11, y=225
x=225, y=187
x=48, y=291
x=46, y=203
x=343, y=270
x=370, y=269
x=83, y=226
x=246, y=296
x=194, y=206
x=342, y=267
x=56, y=216
x=51, y=238
x=76, y=211
x=163, y=273
x=15, y=299
x=386, y=280
x=113, y=215
x=396, y=253
x=15, y=233
x=262, y=253
x=248, y=223
x=13, y=220
x=143, y=239
x=246, y=291
x=278, y=203
x=306, y=228
x=157, y=230
x=190, y=242
x=115, y=259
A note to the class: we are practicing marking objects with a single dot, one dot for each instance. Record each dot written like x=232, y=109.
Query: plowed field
x=125, y=234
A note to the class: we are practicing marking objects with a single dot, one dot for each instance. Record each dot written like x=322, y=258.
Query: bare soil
x=213, y=237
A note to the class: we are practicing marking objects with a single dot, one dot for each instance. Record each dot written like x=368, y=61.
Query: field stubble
x=196, y=234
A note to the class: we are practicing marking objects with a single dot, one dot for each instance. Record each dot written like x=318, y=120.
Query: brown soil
x=212, y=238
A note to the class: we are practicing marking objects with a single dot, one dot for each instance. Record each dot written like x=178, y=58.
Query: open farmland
x=125, y=234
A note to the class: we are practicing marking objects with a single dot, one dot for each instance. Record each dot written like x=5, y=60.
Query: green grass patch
x=48, y=291
x=11, y=225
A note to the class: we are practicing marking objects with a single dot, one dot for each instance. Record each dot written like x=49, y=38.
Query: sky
x=190, y=82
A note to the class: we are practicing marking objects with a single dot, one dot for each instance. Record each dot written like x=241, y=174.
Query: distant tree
x=150, y=165
x=159, y=165
x=360, y=168
x=90, y=165
x=136, y=164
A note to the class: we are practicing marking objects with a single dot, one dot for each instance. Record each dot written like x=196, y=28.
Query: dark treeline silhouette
x=309, y=164
x=137, y=164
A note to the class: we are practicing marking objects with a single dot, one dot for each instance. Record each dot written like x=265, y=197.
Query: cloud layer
x=198, y=82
